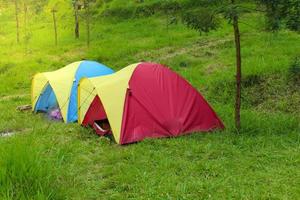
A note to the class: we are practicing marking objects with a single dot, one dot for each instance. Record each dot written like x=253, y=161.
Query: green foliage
x=204, y=16
x=273, y=13
x=202, y=20
x=282, y=12
x=293, y=15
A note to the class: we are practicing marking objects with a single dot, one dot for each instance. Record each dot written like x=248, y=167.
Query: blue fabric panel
x=47, y=100
x=86, y=69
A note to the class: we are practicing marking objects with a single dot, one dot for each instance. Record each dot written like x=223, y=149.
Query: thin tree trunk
x=17, y=21
x=26, y=38
x=54, y=23
x=168, y=23
x=76, y=19
x=25, y=18
x=87, y=22
x=238, y=71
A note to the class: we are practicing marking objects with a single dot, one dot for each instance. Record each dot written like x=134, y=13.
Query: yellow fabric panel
x=112, y=90
x=86, y=94
x=61, y=82
x=38, y=84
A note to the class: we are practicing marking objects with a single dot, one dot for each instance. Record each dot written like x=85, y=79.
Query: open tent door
x=96, y=118
x=47, y=100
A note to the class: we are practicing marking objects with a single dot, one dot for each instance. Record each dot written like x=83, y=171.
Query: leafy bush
x=282, y=12
x=293, y=15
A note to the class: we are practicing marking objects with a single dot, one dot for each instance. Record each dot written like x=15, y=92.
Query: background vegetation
x=69, y=162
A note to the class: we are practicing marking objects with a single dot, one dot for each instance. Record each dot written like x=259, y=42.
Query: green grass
x=71, y=162
x=26, y=172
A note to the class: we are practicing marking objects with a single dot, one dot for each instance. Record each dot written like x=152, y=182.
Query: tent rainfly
x=144, y=100
x=59, y=88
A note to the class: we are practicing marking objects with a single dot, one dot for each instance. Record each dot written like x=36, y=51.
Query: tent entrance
x=47, y=100
x=102, y=127
x=96, y=117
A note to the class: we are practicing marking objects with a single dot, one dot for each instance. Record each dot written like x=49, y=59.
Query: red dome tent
x=145, y=100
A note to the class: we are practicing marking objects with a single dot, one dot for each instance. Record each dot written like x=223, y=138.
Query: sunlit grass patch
x=26, y=172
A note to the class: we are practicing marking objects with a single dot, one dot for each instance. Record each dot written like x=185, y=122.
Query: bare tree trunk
x=25, y=17
x=87, y=22
x=238, y=71
x=54, y=23
x=76, y=19
x=168, y=23
x=17, y=20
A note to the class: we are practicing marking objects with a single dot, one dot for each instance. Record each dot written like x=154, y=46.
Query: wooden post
x=76, y=19
x=168, y=23
x=87, y=8
x=237, y=39
x=25, y=17
x=54, y=23
x=17, y=20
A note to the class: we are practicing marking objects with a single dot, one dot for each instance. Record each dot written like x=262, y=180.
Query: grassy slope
x=261, y=162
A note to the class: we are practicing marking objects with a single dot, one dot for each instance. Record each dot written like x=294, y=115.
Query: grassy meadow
x=66, y=161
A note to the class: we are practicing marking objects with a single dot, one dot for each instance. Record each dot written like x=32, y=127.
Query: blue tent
x=58, y=89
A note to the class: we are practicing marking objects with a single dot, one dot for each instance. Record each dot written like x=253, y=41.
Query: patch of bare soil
x=202, y=48
x=9, y=133
x=9, y=97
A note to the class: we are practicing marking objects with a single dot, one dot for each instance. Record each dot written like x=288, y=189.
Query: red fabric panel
x=94, y=113
x=159, y=103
